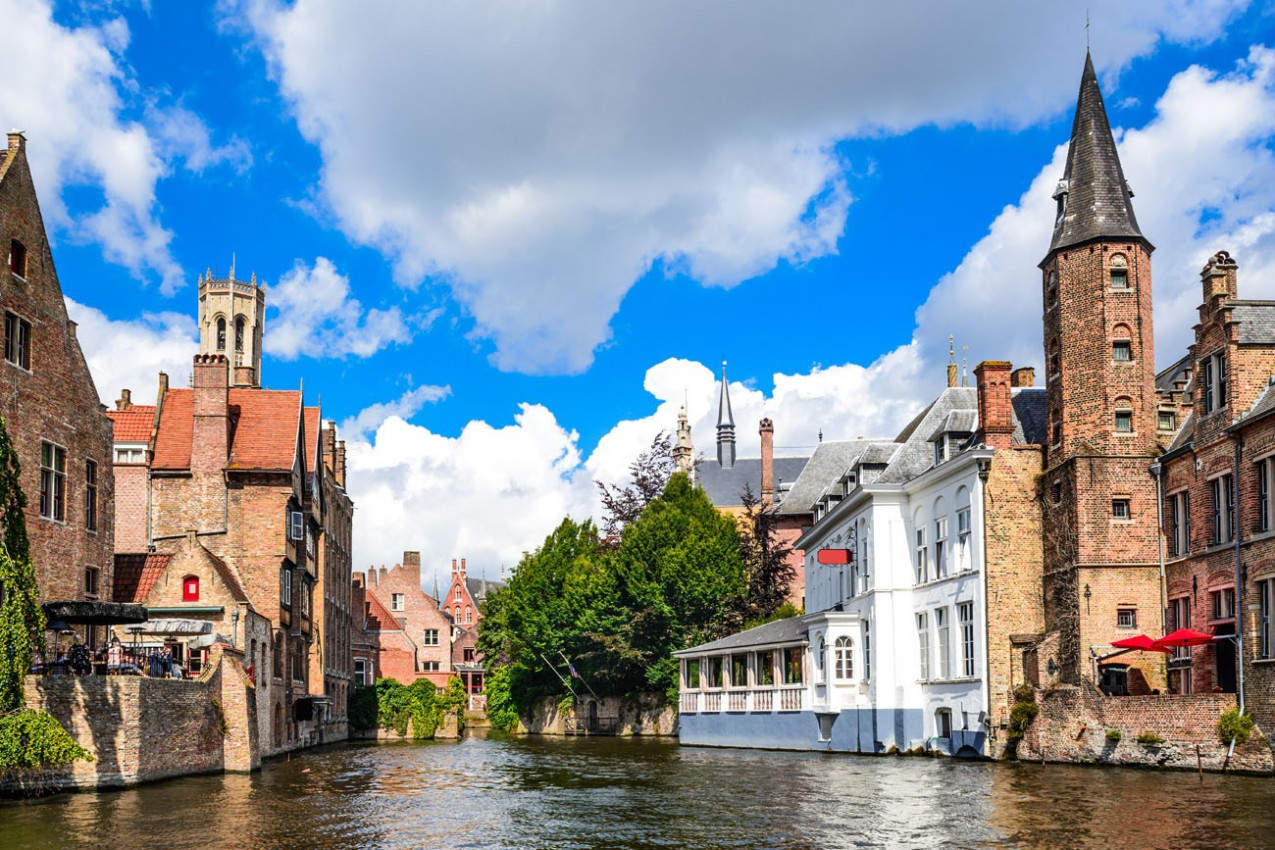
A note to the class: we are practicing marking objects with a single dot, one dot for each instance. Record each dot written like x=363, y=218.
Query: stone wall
x=1073, y=723
x=140, y=729
x=624, y=717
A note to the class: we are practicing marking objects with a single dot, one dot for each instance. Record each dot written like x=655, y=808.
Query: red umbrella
x=1182, y=637
x=1141, y=642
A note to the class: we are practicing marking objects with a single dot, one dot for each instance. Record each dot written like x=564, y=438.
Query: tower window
x=1168, y=421
x=221, y=334
x=18, y=258
x=1057, y=428
x=1124, y=421
x=239, y=324
x=1051, y=289
x=1055, y=359
x=1122, y=350
x=1119, y=272
x=1120, y=509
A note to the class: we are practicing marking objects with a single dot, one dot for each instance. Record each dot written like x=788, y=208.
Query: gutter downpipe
x=1239, y=574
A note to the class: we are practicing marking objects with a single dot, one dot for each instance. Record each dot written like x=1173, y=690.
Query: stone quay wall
x=622, y=717
x=140, y=729
x=1073, y=723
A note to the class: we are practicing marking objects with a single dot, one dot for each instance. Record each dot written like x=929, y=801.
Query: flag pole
x=559, y=675
x=577, y=675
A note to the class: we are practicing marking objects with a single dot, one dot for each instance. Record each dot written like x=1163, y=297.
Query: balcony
x=786, y=698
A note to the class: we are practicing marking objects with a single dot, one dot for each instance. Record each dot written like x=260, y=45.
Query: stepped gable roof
x=724, y=486
x=829, y=462
x=133, y=425
x=136, y=574
x=791, y=630
x=1257, y=321
x=1097, y=197
x=1178, y=373
x=263, y=431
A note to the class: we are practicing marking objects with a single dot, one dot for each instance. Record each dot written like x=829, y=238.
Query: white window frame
x=1213, y=380
x=398, y=601
x=17, y=340
x=965, y=617
x=923, y=642
x=940, y=547
x=942, y=627
x=429, y=637
x=921, y=564
x=963, y=539
x=843, y=647
x=1222, y=490
x=1180, y=523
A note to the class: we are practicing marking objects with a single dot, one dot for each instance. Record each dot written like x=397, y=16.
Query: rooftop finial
x=951, y=360
x=232, y=265
x=965, y=378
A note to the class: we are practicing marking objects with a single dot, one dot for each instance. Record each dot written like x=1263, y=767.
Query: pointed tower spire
x=1093, y=196
x=684, y=450
x=725, y=426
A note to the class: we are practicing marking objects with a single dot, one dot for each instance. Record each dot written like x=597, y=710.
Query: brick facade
x=413, y=635
x=50, y=400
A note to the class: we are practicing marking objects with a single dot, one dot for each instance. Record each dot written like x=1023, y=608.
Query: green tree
x=765, y=559
x=648, y=475
x=21, y=620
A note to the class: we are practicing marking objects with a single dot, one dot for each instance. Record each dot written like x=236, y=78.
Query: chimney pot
x=767, y=431
x=995, y=409
x=1023, y=377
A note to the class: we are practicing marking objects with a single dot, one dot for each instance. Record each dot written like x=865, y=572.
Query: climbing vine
x=21, y=620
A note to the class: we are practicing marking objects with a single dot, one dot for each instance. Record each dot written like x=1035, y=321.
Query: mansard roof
x=1097, y=197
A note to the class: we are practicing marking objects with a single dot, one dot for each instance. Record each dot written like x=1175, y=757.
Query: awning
x=1182, y=637
x=1141, y=642
x=94, y=613
x=171, y=627
x=208, y=640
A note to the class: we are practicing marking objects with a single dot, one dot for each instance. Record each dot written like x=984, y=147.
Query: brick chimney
x=17, y=140
x=340, y=463
x=1024, y=377
x=995, y=411
x=462, y=568
x=1219, y=277
x=125, y=401
x=767, y=463
x=412, y=566
x=210, y=438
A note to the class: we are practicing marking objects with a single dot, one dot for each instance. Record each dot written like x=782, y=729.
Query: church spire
x=684, y=450
x=1093, y=196
x=725, y=426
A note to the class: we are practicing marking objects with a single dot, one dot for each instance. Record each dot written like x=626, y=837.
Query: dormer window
x=18, y=258
x=1060, y=195
x=1119, y=267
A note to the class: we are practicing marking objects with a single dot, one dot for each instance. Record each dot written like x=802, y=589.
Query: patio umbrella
x=1181, y=637
x=1141, y=642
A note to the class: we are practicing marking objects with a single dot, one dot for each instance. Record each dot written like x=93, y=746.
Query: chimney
x=767, y=431
x=951, y=374
x=125, y=401
x=17, y=140
x=412, y=565
x=995, y=413
x=453, y=566
x=462, y=567
x=210, y=438
x=1219, y=277
x=358, y=578
x=340, y=463
x=1024, y=377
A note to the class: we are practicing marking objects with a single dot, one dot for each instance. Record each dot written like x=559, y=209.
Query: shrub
x=1149, y=738
x=1024, y=692
x=36, y=739
x=1114, y=736
x=1020, y=717
x=501, y=710
x=363, y=708
x=1234, y=726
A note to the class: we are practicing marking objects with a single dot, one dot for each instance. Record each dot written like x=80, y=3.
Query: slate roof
x=791, y=630
x=263, y=433
x=1184, y=436
x=1098, y=198
x=829, y=462
x=917, y=453
x=1257, y=321
x=723, y=486
x=1031, y=421
x=958, y=422
x=136, y=574
x=476, y=586
x=134, y=424
x=1180, y=372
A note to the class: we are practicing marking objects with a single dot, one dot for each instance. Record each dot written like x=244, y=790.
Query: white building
x=893, y=651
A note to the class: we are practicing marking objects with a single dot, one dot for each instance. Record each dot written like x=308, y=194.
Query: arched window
x=1124, y=415
x=469, y=615
x=844, y=649
x=221, y=333
x=1121, y=344
x=190, y=589
x=239, y=326
x=458, y=593
x=819, y=656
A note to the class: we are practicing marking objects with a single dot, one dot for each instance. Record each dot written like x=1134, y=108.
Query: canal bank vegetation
x=416, y=711
x=28, y=739
x=599, y=614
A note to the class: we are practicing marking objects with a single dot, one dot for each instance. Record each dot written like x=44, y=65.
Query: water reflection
x=503, y=793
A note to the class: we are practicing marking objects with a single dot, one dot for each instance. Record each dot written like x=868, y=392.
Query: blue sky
x=504, y=240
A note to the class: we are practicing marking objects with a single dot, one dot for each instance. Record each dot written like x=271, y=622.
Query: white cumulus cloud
x=539, y=158
x=130, y=354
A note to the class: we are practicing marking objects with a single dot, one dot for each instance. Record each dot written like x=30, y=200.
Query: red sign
x=835, y=556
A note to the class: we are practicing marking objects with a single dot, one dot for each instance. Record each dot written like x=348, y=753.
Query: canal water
x=501, y=792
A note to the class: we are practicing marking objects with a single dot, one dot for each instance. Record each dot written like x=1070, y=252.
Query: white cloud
x=404, y=407
x=550, y=153
x=486, y=494
x=67, y=87
x=314, y=316
x=131, y=354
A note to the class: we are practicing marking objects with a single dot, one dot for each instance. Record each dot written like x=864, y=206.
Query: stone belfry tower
x=1101, y=536
x=232, y=319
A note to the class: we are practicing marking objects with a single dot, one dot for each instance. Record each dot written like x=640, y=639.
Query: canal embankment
x=644, y=715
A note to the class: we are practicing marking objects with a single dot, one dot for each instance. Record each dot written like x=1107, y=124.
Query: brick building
x=462, y=604
x=412, y=634
x=51, y=409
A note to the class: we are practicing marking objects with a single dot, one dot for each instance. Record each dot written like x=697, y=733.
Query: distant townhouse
x=51, y=409
x=462, y=604
x=413, y=636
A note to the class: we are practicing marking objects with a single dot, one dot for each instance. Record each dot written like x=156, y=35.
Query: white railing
x=690, y=702
x=792, y=699
x=763, y=700
x=737, y=701
x=713, y=701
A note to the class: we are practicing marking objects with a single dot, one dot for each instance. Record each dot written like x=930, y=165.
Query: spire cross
x=1086, y=30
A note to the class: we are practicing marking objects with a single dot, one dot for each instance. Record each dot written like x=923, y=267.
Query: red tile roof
x=263, y=432
x=379, y=619
x=136, y=574
x=133, y=425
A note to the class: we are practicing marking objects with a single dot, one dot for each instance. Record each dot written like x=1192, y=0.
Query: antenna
x=1086, y=30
